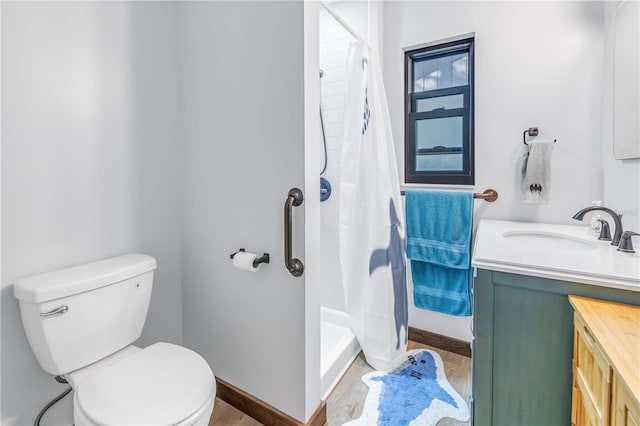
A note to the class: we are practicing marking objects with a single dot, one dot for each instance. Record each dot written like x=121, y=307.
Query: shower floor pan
x=339, y=348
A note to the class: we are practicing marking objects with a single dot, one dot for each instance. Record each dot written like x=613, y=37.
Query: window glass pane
x=440, y=102
x=444, y=162
x=441, y=72
x=439, y=144
x=432, y=132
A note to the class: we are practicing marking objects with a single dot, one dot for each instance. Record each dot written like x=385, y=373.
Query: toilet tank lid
x=69, y=281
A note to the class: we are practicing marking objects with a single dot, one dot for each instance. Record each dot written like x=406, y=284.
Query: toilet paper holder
x=258, y=260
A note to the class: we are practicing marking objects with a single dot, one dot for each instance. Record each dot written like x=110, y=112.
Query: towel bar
x=489, y=195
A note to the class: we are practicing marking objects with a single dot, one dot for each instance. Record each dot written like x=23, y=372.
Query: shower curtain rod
x=343, y=23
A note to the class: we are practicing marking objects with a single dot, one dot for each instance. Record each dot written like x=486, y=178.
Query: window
x=439, y=113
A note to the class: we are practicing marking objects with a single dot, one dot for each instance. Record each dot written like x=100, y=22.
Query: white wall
x=536, y=64
x=242, y=129
x=89, y=163
x=621, y=178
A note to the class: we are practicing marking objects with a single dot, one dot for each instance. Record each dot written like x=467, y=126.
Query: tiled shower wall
x=334, y=47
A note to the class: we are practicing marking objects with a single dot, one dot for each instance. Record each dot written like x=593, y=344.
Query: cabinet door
x=580, y=412
x=625, y=410
x=592, y=379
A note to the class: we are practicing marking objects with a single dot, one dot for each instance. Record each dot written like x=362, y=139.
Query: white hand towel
x=536, y=171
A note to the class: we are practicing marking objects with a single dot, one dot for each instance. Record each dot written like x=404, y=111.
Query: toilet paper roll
x=244, y=261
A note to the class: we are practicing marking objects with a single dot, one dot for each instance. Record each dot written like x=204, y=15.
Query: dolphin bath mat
x=415, y=393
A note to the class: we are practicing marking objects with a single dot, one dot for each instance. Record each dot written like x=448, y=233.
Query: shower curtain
x=371, y=229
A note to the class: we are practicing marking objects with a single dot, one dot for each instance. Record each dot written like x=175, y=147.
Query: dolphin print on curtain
x=371, y=230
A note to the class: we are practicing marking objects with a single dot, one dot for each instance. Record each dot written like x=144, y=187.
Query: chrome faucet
x=617, y=220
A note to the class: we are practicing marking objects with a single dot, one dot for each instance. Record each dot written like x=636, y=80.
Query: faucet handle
x=617, y=220
x=605, y=233
x=626, y=245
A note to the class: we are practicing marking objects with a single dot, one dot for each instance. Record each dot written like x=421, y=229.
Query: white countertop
x=583, y=259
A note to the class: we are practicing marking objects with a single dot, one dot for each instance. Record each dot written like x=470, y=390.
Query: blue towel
x=439, y=246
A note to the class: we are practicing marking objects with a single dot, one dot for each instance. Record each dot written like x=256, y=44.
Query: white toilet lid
x=162, y=384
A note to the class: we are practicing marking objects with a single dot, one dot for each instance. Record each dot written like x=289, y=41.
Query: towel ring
x=531, y=131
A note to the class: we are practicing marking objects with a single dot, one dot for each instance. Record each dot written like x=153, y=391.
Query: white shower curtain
x=371, y=228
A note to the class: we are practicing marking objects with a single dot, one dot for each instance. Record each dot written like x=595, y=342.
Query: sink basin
x=562, y=252
x=550, y=241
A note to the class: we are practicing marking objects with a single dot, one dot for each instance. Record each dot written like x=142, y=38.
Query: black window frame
x=466, y=176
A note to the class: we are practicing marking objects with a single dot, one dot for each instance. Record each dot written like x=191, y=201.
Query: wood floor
x=346, y=401
x=227, y=415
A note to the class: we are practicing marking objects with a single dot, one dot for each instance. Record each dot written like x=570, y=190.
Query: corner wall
x=242, y=129
x=90, y=164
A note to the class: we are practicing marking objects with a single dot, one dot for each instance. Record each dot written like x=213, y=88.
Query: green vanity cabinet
x=523, y=347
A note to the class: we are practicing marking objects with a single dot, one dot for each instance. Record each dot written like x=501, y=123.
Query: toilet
x=81, y=323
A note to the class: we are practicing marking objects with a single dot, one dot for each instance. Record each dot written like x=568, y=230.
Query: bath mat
x=415, y=393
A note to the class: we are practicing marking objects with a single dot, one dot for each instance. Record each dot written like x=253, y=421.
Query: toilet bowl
x=81, y=323
x=163, y=384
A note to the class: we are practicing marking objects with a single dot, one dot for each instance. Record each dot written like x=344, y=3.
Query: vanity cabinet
x=523, y=351
x=606, y=363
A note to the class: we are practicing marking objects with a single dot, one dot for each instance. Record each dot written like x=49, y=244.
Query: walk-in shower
x=338, y=343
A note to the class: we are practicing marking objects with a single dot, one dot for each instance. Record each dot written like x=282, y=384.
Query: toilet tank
x=76, y=316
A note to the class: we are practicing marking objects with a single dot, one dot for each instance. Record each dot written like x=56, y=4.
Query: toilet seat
x=163, y=384
x=199, y=418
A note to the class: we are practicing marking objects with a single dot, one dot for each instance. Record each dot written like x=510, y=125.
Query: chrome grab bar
x=294, y=266
x=61, y=310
